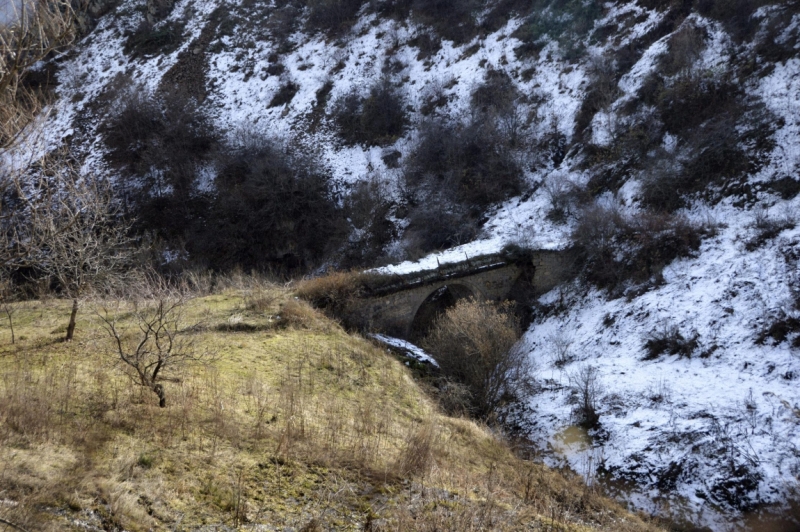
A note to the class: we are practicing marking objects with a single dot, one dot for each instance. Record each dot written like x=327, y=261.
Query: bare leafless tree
x=67, y=227
x=474, y=343
x=10, y=252
x=34, y=30
x=6, y=297
x=152, y=341
x=586, y=390
x=561, y=348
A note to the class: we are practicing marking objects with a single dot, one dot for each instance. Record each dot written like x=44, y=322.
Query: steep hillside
x=288, y=424
x=659, y=141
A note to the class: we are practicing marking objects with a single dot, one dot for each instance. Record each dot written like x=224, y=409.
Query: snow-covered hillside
x=708, y=436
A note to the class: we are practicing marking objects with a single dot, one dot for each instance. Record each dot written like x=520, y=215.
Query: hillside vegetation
x=290, y=423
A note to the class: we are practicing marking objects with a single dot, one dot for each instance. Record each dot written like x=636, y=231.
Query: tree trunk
x=10, y=325
x=162, y=397
x=71, y=326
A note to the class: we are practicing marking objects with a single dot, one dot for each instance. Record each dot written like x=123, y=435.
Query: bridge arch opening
x=435, y=305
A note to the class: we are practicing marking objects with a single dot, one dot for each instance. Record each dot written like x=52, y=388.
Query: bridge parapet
x=377, y=285
x=392, y=303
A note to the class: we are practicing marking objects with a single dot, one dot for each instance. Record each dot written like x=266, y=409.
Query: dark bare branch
x=161, y=345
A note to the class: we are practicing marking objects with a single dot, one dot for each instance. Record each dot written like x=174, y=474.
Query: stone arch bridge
x=405, y=305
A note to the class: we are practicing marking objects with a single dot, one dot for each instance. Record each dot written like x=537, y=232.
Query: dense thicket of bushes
x=472, y=160
x=160, y=142
x=619, y=250
x=452, y=175
x=268, y=207
x=376, y=119
x=458, y=169
x=719, y=131
x=716, y=132
x=437, y=221
x=473, y=342
x=150, y=39
x=368, y=207
x=332, y=16
x=453, y=20
x=272, y=207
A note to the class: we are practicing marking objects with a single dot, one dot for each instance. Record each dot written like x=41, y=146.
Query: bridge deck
x=380, y=285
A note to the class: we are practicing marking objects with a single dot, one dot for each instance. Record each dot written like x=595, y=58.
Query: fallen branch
x=12, y=525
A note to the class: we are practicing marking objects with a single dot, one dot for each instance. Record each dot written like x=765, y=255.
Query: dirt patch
x=188, y=74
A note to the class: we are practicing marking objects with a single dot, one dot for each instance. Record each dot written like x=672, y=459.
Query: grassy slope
x=295, y=424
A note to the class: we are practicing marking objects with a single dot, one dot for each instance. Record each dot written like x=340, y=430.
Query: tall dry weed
x=474, y=344
x=332, y=291
x=417, y=458
x=37, y=29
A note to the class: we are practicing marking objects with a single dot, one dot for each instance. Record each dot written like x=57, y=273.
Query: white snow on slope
x=731, y=394
x=407, y=348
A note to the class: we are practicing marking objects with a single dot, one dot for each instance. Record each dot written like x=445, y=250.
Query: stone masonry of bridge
x=391, y=304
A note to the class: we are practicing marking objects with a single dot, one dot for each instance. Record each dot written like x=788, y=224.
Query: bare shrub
x=428, y=43
x=780, y=326
x=433, y=97
x=659, y=393
x=566, y=22
x=565, y=197
x=586, y=390
x=474, y=343
x=688, y=101
x=602, y=92
x=368, y=207
x=768, y=227
x=377, y=119
x=153, y=343
x=299, y=314
x=561, y=348
x=617, y=249
x=275, y=207
x=496, y=94
x=333, y=291
x=7, y=296
x=332, y=16
x=669, y=339
x=685, y=47
x=417, y=457
x=260, y=302
x=150, y=38
x=498, y=101
x=454, y=20
x=283, y=22
x=454, y=397
x=736, y=15
x=285, y=94
x=659, y=185
x=67, y=228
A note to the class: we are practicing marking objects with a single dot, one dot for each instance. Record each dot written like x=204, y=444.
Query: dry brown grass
x=298, y=427
x=38, y=29
x=332, y=291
